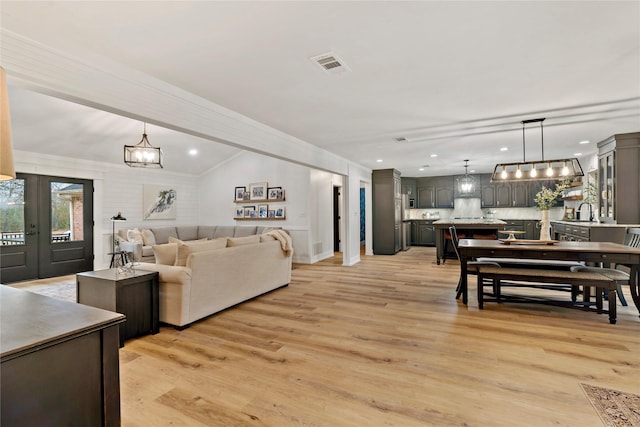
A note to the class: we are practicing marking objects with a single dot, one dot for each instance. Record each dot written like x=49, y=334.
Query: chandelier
x=143, y=154
x=539, y=169
x=466, y=183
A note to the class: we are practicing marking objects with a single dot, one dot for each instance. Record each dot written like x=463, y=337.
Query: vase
x=545, y=226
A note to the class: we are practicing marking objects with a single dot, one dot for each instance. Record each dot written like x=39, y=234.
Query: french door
x=47, y=227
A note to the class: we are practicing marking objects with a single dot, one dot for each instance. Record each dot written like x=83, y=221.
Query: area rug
x=63, y=289
x=615, y=408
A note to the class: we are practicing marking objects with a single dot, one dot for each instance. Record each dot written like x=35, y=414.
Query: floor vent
x=330, y=63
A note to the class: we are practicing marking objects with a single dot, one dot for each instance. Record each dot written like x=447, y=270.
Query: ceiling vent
x=330, y=63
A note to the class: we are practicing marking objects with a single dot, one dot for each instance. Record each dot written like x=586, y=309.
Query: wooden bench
x=601, y=281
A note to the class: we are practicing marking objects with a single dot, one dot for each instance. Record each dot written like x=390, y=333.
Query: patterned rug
x=64, y=288
x=614, y=407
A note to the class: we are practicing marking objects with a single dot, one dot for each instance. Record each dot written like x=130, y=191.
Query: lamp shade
x=7, y=170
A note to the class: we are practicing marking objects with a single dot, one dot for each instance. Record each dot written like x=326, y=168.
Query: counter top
x=594, y=224
x=470, y=221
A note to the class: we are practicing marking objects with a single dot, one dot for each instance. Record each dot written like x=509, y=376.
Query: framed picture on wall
x=273, y=193
x=239, y=212
x=262, y=211
x=248, y=210
x=158, y=202
x=239, y=193
x=271, y=213
x=258, y=191
x=280, y=212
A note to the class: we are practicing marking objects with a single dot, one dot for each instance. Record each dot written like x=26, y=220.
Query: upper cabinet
x=435, y=192
x=619, y=179
x=409, y=187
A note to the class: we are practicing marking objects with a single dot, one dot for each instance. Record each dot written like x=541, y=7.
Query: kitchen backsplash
x=470, y=208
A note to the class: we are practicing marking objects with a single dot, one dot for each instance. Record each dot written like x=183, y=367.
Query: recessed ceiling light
x=434, y=155
x=193, y=151
x=421, y=169
x=504, y=149
x=584, y=142
x=379, y=160
x=472, y=171
x=577, y=154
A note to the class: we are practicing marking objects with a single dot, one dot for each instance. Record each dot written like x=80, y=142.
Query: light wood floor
x=382, y=343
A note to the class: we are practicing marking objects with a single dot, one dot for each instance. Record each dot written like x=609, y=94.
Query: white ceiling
x=454, y=78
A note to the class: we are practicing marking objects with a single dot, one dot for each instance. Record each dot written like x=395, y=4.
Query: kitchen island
x=469, y=227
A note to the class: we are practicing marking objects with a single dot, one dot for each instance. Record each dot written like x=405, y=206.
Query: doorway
x=336, y=219
x=47, y=227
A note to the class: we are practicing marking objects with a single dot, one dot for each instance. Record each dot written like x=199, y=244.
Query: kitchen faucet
x=590, y=211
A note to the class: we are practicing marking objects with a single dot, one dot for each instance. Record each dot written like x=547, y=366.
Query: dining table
x=589, y=252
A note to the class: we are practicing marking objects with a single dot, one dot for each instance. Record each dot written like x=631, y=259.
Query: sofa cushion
x=187, y=232
x=266, y=237
x=187, y=248
x=147, y=251
x=240, y=241
x=166, y=253
x=178, y=241
x=207, y=231
x=162, y=234
x=262, y=230
x=148, y=239
x=224, y=231
x=243, y=231
x=134, y=236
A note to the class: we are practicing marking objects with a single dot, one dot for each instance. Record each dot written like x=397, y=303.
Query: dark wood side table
x=134, y=294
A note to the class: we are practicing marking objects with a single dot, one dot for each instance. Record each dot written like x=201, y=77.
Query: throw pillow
x=185, y=249
x=134, y=236
x=166, y=254
x=148, y=239
x=239, y=241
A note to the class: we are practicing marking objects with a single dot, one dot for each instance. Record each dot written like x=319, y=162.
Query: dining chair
x=472, y=266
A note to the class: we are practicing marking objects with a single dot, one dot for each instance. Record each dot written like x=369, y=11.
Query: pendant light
x=143, y=154
x=542, y=169
x=466, y=183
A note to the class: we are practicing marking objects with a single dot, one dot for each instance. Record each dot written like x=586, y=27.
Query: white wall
x=217, y=196
x=116, y=189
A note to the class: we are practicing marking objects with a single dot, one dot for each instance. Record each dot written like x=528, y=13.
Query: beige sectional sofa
x=200, y=278
x=140, y=241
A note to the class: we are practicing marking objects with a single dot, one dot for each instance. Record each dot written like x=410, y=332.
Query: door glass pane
x=12, y=211
x=66, y=212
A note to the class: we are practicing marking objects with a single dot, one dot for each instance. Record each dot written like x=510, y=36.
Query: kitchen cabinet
x=409, y=187
x=618, y=179
x=487, y=192
x=532, y=230
x=503, y=195
x=435, y=192
x=426, y=197
x=423, y=233
x=580, y=232
x=387, y=211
